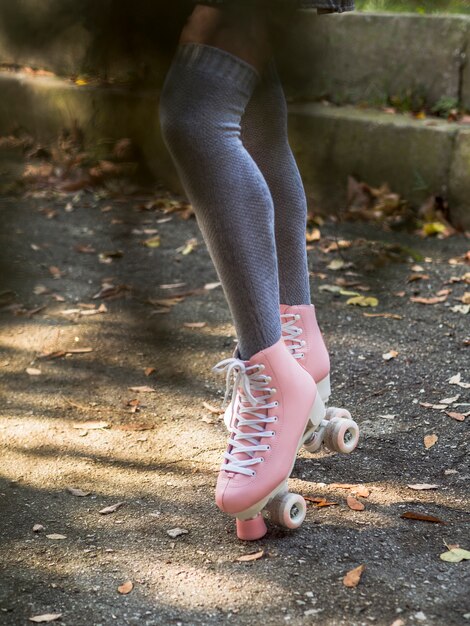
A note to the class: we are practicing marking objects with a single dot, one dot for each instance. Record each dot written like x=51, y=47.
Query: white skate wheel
x=314, y=443
x=288, y=510
x=334, y=411
x=341, y=435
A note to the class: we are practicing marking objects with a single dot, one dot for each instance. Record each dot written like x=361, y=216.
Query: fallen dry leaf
x=354, y=504
x=449, y=400
x=353, y=577
x=135, y=427
x=455, y=555
x=176, y=532
x=393, y=316
x=90, y=425
x=456, y=380
x=126, y=587
x=195, y=324
x=46, y=617
x=210, y=286
x=320, y=502
x=460, y=417
x=213, y=409
x=78, y=492
x=142, y=389
x=363, y=301
x=37, y=528
x=254, y=556
x=360, y=490
x=149, y=371
x=79, y=350
x=422, y=486
x=420, y=517
x=433, y=300
x=56, y=536
x=388, y=356
x=343, y=485
x=33, y=371
x=336, y=265
x=430, y=441
x=111, y=509
x=414, y=277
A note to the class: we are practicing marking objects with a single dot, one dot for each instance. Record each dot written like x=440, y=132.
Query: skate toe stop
x=251, y=529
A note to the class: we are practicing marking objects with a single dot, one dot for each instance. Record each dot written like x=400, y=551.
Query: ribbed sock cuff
x=217, y=62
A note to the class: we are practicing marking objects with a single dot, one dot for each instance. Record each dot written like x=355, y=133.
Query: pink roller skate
x=276, y=408
x=303, y=338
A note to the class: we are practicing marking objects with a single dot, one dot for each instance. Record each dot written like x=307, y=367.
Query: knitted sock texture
x=264, y=134
x=204, y=96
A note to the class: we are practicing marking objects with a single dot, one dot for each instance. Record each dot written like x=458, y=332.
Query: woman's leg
x=264, y=134
x=204, y=97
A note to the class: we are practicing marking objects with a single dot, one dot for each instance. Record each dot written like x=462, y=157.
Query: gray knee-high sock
x=264, y=134
x=203, y=99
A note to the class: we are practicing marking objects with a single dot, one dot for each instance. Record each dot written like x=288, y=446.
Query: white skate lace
x=290, y=333
x=251, y=413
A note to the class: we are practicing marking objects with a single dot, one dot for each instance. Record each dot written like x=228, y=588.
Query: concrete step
x=417, y=158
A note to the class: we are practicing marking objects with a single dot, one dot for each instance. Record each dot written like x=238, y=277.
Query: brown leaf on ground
x=361, y=490
x=460, y=417
x=33, y=371
x=354, y=504
x=422, y=487
x=433, y=300
x=46, y=617
x=353, y=577
x=79, y=350
x=254, y=556
x=84, y=248
x=166, y=301
x=111, y=509
x=421, y=517
x=194, y=324
x=393, y=316
x=414, y=277
x=430, y=441
x=149, y=371
x=320, y=502
x=126, y=587
x=136, y=427
x=342, y=485
x=49, y=356
x=142, y=389
x=78, y=492
x=213, y=409
x=56, y=536
x=388, y=356
x=90, y=425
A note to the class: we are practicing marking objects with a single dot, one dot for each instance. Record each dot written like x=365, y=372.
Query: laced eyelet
x=261, y=459
x=276, y=403
x=268, y=448
x=302, y=355
x=273, y=391
x=297, y=317
x=303, y=342
x=253, y=473
x=275, y=418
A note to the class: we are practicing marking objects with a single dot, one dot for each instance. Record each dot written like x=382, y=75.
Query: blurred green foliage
x=416, y=6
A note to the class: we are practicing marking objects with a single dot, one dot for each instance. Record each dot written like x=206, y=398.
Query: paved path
x=84, y=290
